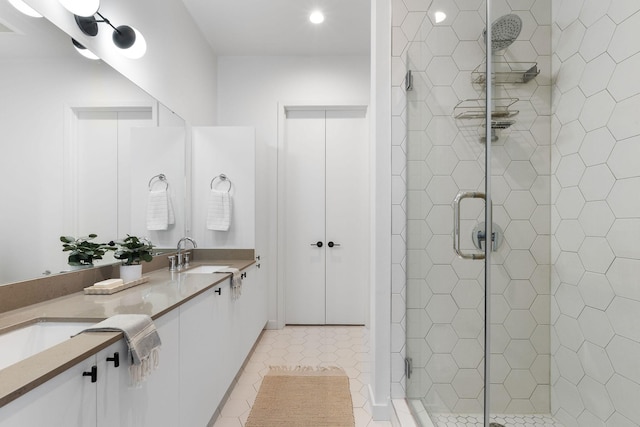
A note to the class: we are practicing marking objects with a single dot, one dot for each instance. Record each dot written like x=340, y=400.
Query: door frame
x=283, y=107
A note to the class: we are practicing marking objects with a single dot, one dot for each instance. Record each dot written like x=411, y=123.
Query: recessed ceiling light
x=316, y=17
x=439, y=17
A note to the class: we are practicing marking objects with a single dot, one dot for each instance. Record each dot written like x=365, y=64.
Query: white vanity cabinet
x=67, y=400
x=217, y=333
x=204, y=354
x=249, y=314
x=204, y=344
x=71, y=398
x=154, y=401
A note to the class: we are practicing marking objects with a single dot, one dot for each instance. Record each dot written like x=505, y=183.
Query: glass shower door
x=478, y=216
x=446, y=160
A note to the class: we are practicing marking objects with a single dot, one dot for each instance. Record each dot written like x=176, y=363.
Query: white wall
x=595, y=304
x=178, y=69
x=249, y=90
x=380, y=389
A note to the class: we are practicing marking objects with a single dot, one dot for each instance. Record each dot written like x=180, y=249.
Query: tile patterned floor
x=475, y=420
x=453, y=420
x=343, y=346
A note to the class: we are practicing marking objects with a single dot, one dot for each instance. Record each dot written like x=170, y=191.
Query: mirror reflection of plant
x=83, y=250
x=132, y=250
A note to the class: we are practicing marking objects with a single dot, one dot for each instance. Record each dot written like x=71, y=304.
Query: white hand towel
x=158, y=210
x=219, y=211
x=142, y=338
x=171, y=216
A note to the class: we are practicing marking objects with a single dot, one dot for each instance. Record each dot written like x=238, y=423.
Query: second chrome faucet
x=181, y=257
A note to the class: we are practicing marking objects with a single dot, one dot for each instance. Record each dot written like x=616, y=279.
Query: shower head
x=504, y=31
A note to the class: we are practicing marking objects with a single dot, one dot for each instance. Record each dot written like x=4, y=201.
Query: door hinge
x=408, y=367
x=408, y=81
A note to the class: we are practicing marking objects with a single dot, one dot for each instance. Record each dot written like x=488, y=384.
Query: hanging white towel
x=219, y=211
x=142, y=338
x=171, y=216
x=158, y=210
x=236, y=281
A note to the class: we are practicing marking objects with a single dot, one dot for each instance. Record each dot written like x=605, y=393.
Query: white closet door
x=347, y=216
x=103, y=170
x=304, y=217
x=96, y=167
x=326, y=195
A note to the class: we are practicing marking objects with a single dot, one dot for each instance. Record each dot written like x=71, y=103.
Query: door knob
x=318, y=244
x=331, y=244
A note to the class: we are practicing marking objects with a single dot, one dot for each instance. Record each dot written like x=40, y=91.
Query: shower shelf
x=506, y=72
x=470, y=109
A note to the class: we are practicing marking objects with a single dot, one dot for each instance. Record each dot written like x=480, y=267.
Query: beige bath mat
x=303, y=396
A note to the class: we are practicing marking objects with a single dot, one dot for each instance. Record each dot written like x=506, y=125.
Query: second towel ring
x=162, y=178
x=221, y=177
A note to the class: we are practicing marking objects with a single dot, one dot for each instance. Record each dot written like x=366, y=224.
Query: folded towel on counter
x=236, y=281
x=142, y=338
x=219, y=211
x=159, y=210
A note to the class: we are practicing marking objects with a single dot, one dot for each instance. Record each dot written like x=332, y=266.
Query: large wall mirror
x=81, y=147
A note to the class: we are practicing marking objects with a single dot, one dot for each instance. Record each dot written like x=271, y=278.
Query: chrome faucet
x=184, y=262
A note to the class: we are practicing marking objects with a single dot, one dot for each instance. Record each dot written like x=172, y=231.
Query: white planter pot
x=130, y=273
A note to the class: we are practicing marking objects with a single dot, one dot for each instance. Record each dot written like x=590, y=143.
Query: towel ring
x=160, y=177
x=221, y=177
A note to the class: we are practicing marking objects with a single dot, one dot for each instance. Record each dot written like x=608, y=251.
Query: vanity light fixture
x=125, y=37
x=25, y=8
x=83, y=50
x=81, y=7
x=316, y=17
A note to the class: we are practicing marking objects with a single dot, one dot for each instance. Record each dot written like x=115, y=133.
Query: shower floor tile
x=465, y=420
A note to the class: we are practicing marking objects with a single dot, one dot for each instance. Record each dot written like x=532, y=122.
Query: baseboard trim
x=272, y=324
x=379, y=411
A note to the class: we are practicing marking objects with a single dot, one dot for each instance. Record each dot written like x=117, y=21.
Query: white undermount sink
x=206, y=269
x=22, y=343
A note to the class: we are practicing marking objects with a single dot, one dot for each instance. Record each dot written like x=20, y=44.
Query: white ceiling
x=232, y=27
x=282, y=27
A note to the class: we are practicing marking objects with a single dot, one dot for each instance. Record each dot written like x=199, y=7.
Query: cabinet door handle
x=93, y=374
x=318, y=244
x=331, y=244
x=115, y=359
x=218, y=291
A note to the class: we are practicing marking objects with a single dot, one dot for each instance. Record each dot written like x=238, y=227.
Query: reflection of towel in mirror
x=219, y=211
x=236, y=281
x=159, y=210
x=142, y=338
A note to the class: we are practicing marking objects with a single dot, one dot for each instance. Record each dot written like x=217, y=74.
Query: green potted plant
x=83, y=249
x=131, y=251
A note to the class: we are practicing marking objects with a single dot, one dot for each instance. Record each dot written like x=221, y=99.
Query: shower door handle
x=456, y=223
